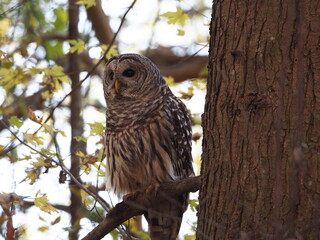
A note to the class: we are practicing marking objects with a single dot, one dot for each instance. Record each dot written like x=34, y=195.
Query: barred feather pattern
x=148, y=137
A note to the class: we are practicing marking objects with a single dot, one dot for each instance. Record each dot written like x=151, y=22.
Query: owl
x=148, y=137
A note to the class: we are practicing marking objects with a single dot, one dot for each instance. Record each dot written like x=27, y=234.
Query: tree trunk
x=261, y=164
x=75, y=123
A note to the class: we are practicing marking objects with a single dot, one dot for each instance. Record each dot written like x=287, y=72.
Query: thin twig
x=63, y=167
x=95, y=66
x=13, y=8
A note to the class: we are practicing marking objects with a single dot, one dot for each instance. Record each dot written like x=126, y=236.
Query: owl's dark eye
x=111, y=75
x=128, y=73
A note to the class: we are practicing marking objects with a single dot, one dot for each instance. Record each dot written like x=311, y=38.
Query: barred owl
x=148, y=137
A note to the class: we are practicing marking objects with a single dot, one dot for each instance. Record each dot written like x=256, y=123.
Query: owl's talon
x=131, y=196
x=153, y=187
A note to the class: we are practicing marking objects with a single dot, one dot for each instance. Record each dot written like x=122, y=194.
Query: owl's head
x=131, y=77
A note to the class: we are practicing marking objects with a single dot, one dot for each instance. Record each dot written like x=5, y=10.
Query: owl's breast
x=140, y=154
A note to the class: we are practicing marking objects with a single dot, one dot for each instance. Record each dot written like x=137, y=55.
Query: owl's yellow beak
x=116, y=86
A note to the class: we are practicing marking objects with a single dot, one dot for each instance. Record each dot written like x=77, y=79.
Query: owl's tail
x=164, y=220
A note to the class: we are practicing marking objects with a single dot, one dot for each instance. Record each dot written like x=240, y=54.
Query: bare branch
x=139, y=205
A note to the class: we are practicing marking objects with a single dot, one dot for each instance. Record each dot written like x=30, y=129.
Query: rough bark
x=75, y=122
x=261, y=169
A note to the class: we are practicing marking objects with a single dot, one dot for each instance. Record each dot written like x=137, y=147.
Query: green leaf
x=178, y=17
x=204, y=71
x=60, y=23
x=57, y=220
x=180, y=32
x=80, y=138
x=194, y=204
x=87, y=3
x=190, y=237
x=96, y=128
x=77, y=46
x=26, y=157
x=43, y=228
x=115, y=234
x=54, y=49
x=42, y=203
x=15, y=121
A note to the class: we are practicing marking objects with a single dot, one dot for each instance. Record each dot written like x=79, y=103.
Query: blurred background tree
x=52, y=109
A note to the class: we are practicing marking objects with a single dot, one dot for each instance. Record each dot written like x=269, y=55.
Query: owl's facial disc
x=126, y=78
x=128, y=73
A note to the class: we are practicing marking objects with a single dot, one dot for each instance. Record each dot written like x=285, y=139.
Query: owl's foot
x=131, y=196
x=153, y=188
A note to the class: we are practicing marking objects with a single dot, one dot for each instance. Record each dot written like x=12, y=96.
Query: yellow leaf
x=178, y=17
x=31, y=175
x=47, y=151
x=113, y=51
x=80, y=154
x=77, y=46
x=62, y=133
x=87, y=3
x=42, y=203
x=80, y=138
x=84, y=197
x=187, y=95
x=48, y=129
x=11, y=77
x=4, y=25
x=33, y=139
x=53, y=77
x=46, y=94
x=41, y=162
x=169, y=80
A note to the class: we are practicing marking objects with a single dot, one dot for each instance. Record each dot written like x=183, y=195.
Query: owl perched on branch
x=148, y=137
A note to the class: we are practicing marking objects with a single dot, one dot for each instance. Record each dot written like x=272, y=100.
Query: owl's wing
x=182, y=136
x=165, y=219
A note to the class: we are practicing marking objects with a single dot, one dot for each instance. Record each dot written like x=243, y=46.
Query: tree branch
x=60, y=163
x=100, y=23
x=139, y=205
x=180, y=68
